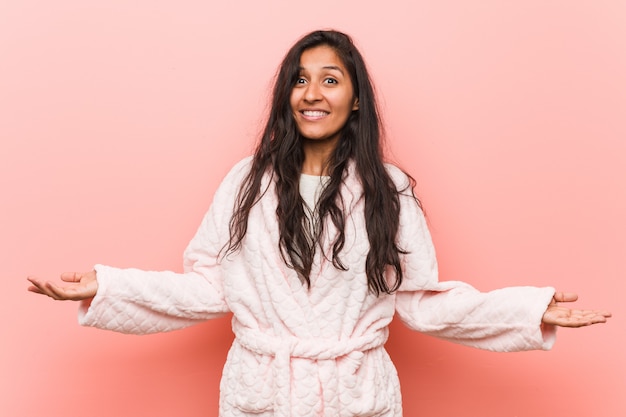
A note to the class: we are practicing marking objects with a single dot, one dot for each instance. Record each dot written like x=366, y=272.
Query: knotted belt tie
x=285, y=348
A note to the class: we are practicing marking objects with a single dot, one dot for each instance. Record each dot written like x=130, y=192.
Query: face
x=323, y=98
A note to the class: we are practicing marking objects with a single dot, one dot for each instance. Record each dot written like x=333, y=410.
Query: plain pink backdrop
x=118, y=119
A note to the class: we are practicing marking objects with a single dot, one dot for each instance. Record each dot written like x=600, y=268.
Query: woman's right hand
x=82, y=286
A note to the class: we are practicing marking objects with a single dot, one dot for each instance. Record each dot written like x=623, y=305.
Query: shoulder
x=237, y=172
x=241, y=168
x=231, y=182
x=399, y=177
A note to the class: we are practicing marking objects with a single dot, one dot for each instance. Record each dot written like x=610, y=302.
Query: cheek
x=344, y=101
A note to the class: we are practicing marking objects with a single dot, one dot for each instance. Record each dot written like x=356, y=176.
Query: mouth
x=314, y=114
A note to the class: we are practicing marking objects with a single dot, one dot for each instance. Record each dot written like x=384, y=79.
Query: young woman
x=313, y=244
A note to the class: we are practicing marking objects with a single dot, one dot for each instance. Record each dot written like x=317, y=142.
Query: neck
x=316, y=156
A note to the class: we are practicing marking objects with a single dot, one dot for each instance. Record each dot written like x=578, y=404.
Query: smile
x=314, y=113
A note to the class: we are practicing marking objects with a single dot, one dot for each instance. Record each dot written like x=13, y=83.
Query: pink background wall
x=118, y=119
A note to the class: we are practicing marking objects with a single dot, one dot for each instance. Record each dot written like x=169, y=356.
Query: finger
x=34, y=289
x=33, y=280
x=41, y=287
x=37, y=285
x=598, y=319
x=71, y=276
x=580, y=318
x=575, y=321
x=594, y=316
x=587, y=321
x=565, y=297
x=599, y=314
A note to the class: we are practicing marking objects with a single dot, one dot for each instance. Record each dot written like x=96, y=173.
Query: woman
x=313, y=244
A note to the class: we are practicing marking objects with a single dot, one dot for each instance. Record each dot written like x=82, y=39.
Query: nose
x=313, y=93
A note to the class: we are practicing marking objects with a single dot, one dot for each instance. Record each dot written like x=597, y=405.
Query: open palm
x=562, y=316
x=82, y=286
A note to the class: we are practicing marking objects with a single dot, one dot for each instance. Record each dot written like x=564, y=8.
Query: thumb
x=71, y=276
x=564, y=297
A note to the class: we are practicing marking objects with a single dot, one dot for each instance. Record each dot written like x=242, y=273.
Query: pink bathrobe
x=302, y=352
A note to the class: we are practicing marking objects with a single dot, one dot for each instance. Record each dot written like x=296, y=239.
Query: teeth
x=314, y=113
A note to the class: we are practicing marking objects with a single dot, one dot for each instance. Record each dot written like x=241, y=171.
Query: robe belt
x=318, y=349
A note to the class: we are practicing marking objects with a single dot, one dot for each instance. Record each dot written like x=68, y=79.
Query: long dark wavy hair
x=280, y=154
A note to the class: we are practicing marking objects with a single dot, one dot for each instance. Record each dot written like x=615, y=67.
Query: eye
x=330, y=81
x=301, y=80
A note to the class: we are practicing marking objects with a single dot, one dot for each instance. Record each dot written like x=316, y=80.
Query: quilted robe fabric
x=302, y=352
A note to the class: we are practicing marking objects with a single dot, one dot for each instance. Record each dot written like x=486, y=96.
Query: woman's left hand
x=566, y=317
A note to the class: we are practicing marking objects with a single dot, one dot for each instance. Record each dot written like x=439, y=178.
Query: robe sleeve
x=507, y=319
x=141, y=302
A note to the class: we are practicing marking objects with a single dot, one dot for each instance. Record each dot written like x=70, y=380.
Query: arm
x=515, y=318
x=135, y=301
x=507, y=319
x=141, y=302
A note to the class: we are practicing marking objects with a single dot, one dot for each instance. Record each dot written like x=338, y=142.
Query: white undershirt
x=311, y=187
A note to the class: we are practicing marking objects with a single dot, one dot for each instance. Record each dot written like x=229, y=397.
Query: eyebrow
x=327, y=67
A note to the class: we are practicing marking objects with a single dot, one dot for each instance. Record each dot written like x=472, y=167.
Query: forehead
x=320, y=57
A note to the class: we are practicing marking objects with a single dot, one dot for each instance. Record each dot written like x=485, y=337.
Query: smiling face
x=322, y=98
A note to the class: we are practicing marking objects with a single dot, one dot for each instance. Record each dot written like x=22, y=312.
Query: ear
x=355, y=106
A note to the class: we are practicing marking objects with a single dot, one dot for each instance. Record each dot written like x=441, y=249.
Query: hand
x=82, y=286
x=565, y=317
